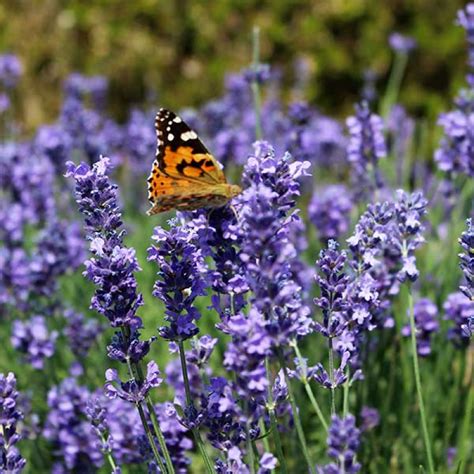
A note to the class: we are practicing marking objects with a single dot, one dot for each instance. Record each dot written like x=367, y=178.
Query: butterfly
x=184, y=176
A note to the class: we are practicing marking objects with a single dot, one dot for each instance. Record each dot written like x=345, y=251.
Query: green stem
x=255, y=85
x=159, y=435
x=136, y=372
x=150, y=437
x=296, y=415
x=418, y=385
x=345, y=405
x=394, y=83
x=108, y=454
x=464, y=439
x=133, y=374
x=309, y=390
x=189, y=403
x=263, y=429
x=250, y=449
x=273, y=421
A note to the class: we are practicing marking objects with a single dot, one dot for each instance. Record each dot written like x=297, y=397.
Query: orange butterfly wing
x=184, y=175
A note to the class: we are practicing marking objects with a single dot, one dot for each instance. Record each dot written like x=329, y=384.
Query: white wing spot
x=170, y=137
x=190, y=135
x=177, y=120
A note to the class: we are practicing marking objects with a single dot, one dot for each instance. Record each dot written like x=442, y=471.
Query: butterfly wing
x=185, y=175
x=181, y=154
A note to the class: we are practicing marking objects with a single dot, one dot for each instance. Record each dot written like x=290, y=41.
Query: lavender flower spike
x=467, y=259
x=343, y=443
x=366, y=147
x=11, y=460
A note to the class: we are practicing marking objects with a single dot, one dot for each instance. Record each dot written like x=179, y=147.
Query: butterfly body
x=185, y=176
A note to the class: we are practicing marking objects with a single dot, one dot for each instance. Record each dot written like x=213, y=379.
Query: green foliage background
x=177, y=52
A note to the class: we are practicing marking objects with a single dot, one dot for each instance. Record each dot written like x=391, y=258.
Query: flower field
x=318, y=320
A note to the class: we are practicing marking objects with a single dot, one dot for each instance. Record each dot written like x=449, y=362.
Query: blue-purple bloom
x=366, y=147
x=133, y=391
x=329, y=211
x=11, y=460
x=343, y=442
x=426, y=324
x=370, y=418
x=459, y=310
x=68, y=429
x=180, y=280
x=467, y=259
x=401, y=43
x=33, y=339
x=465, y=18
x=10, y=70
x=113, y=265
x=81, y=332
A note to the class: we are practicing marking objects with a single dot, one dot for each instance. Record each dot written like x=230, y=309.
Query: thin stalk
x=136, y=372
x=296, y=415
x=345, y=404
x=255, y=85
x=273, y=422
x=416, y=369
x=464, y=439
x=309, y=390
x=263, y=429
x=250, y=452
x=108, y=454
x=331, y=377
x=159, y=434
x=189, y=403
x=150, y=437
x=144, y=421
x=394, y=83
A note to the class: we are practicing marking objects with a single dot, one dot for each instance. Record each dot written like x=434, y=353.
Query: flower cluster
x=33, y=339
x=426, y=323
x=343, y=442
x=329, y=211
x=365, y=148
x=10, y=415
x=180, y=281
x=467, y=259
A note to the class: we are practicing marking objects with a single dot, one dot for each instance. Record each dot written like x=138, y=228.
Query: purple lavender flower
x=366, y=147
x=81, y=332
x=343, y=443
x=55, y=143
x=401, y=127
x=455, y=153
x=33, y=339
x=11, y=460
x=180, y=280
x=69, y=430
x=113, y=265
x=401, y=43
x=407, y=234
x=426, y=323
x=370, y=418
x=465, y=18
x=329, y=211
x=459, y=310
x=332, y=281
x=133, y=391
x=267, y=210
x=10, y=70
x=467, y=258
x=140, y=140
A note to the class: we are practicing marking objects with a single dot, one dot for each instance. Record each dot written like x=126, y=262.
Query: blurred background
x=177, y=53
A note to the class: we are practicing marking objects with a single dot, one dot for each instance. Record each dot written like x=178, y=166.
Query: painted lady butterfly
x=185, y=176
